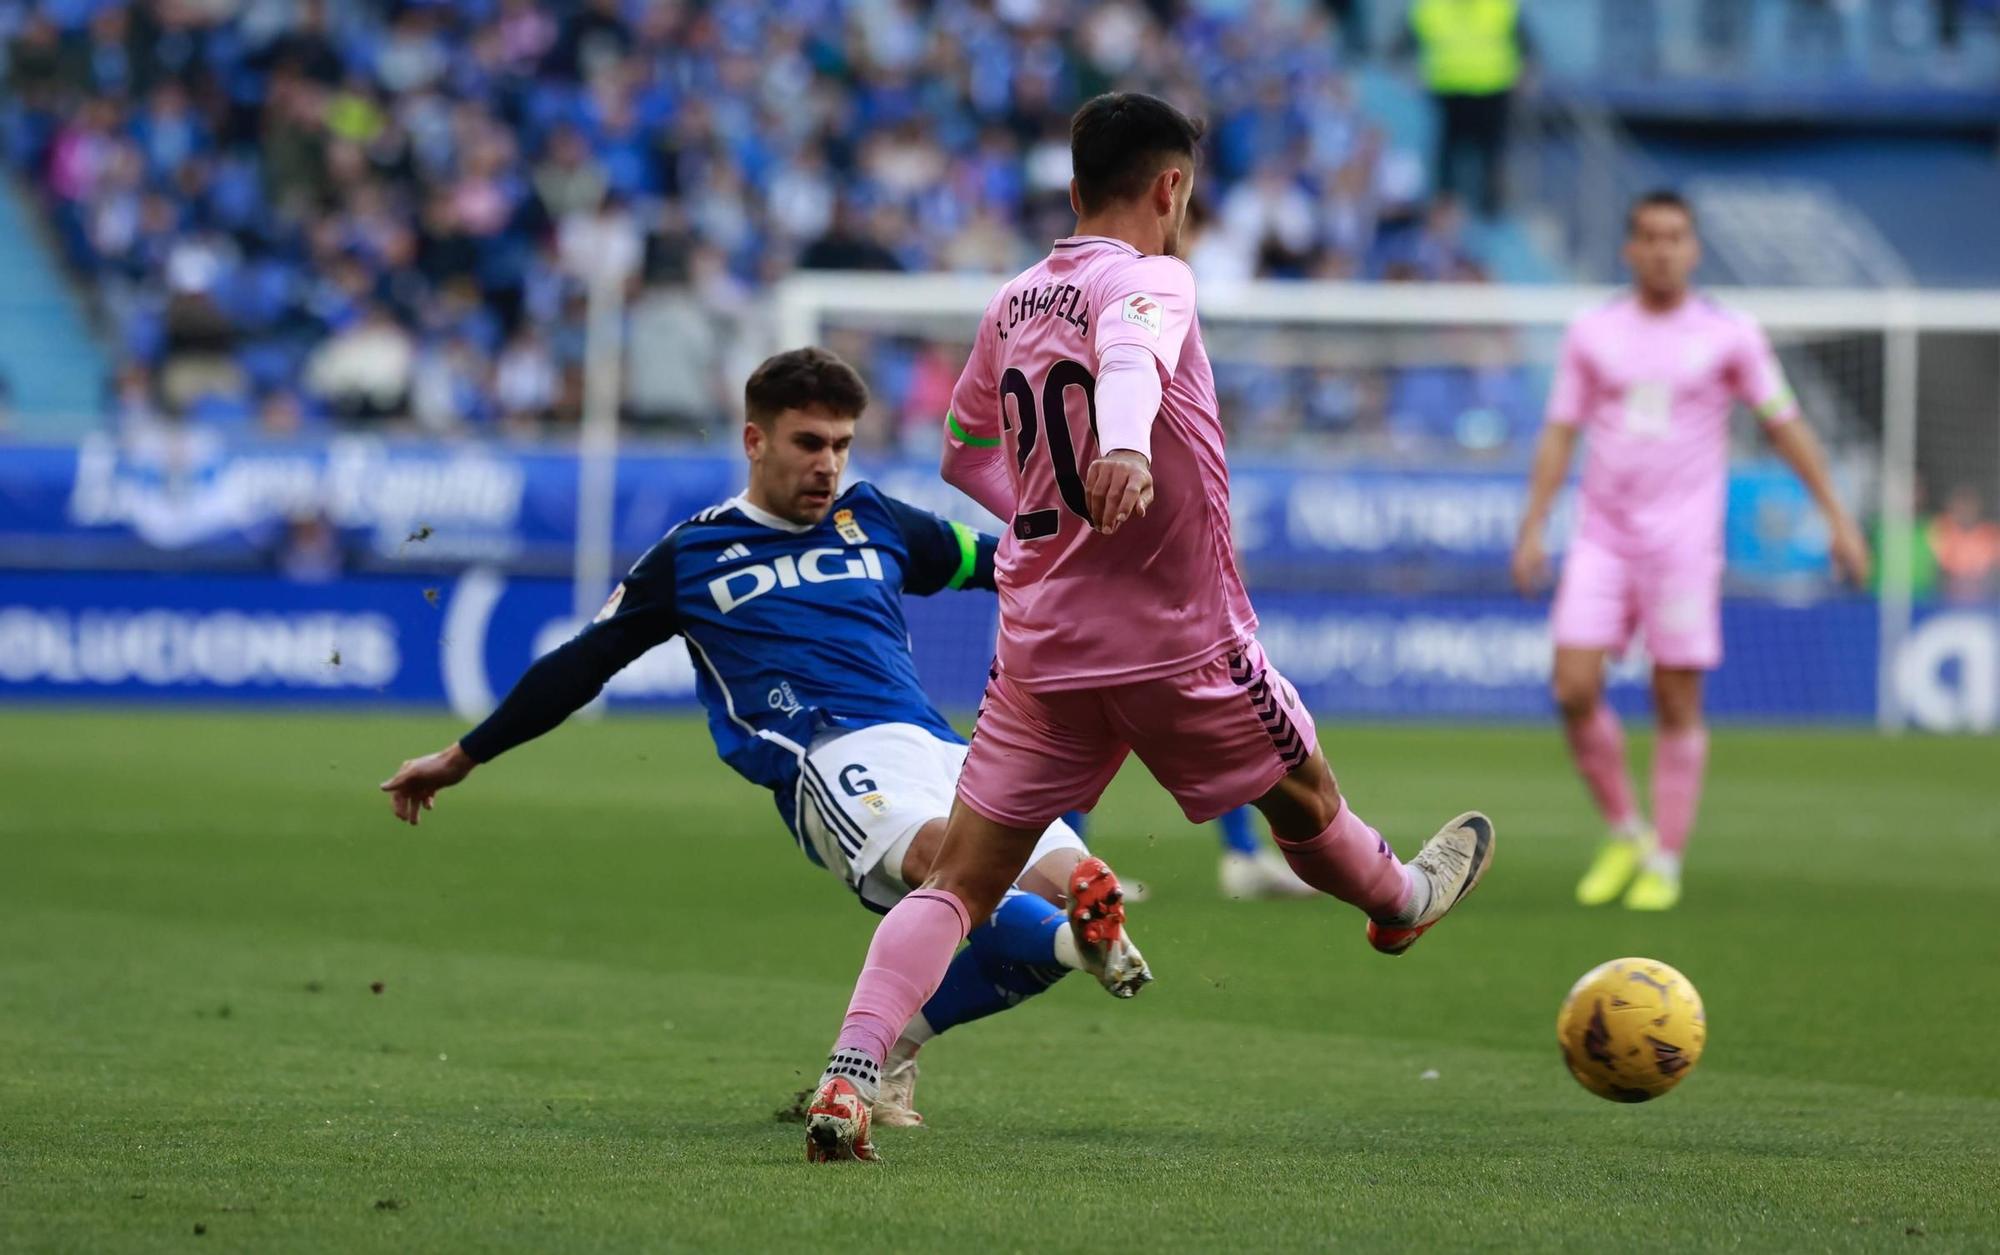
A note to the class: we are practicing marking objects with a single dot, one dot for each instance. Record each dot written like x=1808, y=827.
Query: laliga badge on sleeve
x=850, y=531
x=611, y=604
x=1143, y=311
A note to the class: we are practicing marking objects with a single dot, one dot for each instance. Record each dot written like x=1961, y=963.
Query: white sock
x=1633, y=829
x=1066, y=951
x=1420, y=896
x=915, y=1034
x=865, y=1073
x=1666, y=863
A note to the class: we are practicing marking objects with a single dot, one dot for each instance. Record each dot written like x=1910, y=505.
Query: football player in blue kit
x=789, y=597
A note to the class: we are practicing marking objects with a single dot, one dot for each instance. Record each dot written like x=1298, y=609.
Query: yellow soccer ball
x=1631, y=1029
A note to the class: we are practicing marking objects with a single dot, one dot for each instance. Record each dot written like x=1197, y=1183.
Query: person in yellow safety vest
x=1472, y=54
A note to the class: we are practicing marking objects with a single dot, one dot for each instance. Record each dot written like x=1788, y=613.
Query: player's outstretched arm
x=1796, y=444
x=561, y=682
x=414, y=787
x=942, y=554
x=1553, y=451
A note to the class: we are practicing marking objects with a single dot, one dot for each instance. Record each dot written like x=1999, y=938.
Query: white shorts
x=865, y=794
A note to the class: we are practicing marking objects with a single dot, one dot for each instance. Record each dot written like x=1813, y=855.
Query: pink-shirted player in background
x=1086, y=418
x=1651, y=378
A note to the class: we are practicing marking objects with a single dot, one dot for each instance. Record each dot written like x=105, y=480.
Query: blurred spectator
x=1967, y=545
x=310, y=552
x=388, y=204
x=1472, y=54
x=364, y=369
x=1269, y=218
x=281, y=415
x=847, y=245
x=525, y=381
x=673, y=354
x=1437, y=251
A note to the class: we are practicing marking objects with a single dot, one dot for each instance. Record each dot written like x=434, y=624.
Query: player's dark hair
x=800, y=379
x=1120, y=140
x=1658, y=198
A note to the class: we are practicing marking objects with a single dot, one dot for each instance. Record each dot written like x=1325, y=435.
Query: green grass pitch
x=603, y=968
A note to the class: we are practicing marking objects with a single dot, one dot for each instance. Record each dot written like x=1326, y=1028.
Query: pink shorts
x=1603, y=599
x=1216, y=736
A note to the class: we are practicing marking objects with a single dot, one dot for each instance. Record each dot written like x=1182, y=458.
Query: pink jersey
x=1653, y=393
x=1162, y=595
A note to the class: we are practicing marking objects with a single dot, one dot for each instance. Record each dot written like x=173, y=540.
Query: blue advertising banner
x=438, y=506
x=460, y=642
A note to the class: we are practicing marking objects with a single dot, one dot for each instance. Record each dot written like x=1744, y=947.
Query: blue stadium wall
x=1379, y=589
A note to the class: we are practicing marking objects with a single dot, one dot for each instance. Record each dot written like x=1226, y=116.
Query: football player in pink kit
x=1651, y=378
x=1086, y=418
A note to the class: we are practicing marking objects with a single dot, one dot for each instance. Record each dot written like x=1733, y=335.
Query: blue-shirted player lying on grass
x=790, y=600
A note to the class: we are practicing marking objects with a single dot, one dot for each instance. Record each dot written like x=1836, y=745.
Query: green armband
x=968, y=554
x=965, y=437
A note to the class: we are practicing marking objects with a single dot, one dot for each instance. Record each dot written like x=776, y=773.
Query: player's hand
x=1531, y=564
x=413, y=789
x=1116, y=487
x=1850, y=553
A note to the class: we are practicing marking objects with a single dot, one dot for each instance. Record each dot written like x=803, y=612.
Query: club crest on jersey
x=1142, y=311
x=611, y=604
x=850, y=531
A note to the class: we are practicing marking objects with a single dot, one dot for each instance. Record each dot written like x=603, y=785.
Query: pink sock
x=1352, y=862
x=1680, y=760
x=1598, y=746
x=913, y=945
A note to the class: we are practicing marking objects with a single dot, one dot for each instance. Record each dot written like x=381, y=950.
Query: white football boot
x=896, y=1101
x=1452, y=862
x=1096, y=908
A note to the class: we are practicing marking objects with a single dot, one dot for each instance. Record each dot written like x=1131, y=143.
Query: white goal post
x=1873, y=334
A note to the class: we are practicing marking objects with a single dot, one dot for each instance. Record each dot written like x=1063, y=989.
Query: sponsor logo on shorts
x=876, y=802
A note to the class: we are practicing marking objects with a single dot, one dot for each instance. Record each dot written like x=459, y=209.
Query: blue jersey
x=793, y=629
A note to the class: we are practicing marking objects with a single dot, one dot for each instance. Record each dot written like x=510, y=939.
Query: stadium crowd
x=298, y=212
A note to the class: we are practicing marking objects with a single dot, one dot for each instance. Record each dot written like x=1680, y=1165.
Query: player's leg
x=1347, y=858
x=1596, y=740
x=1234, y=730
x=907, y=960
x=1022, y=956
x=1061, y=870
x=1680, y=763
x=1029, y=763
x=1040, y=919
x=1681, y=608
x=869, y=806
x=1595, y=611
x=1027, y=945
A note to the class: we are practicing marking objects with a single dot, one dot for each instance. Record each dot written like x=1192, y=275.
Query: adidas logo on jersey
x=811, y=567
x=732, y=553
